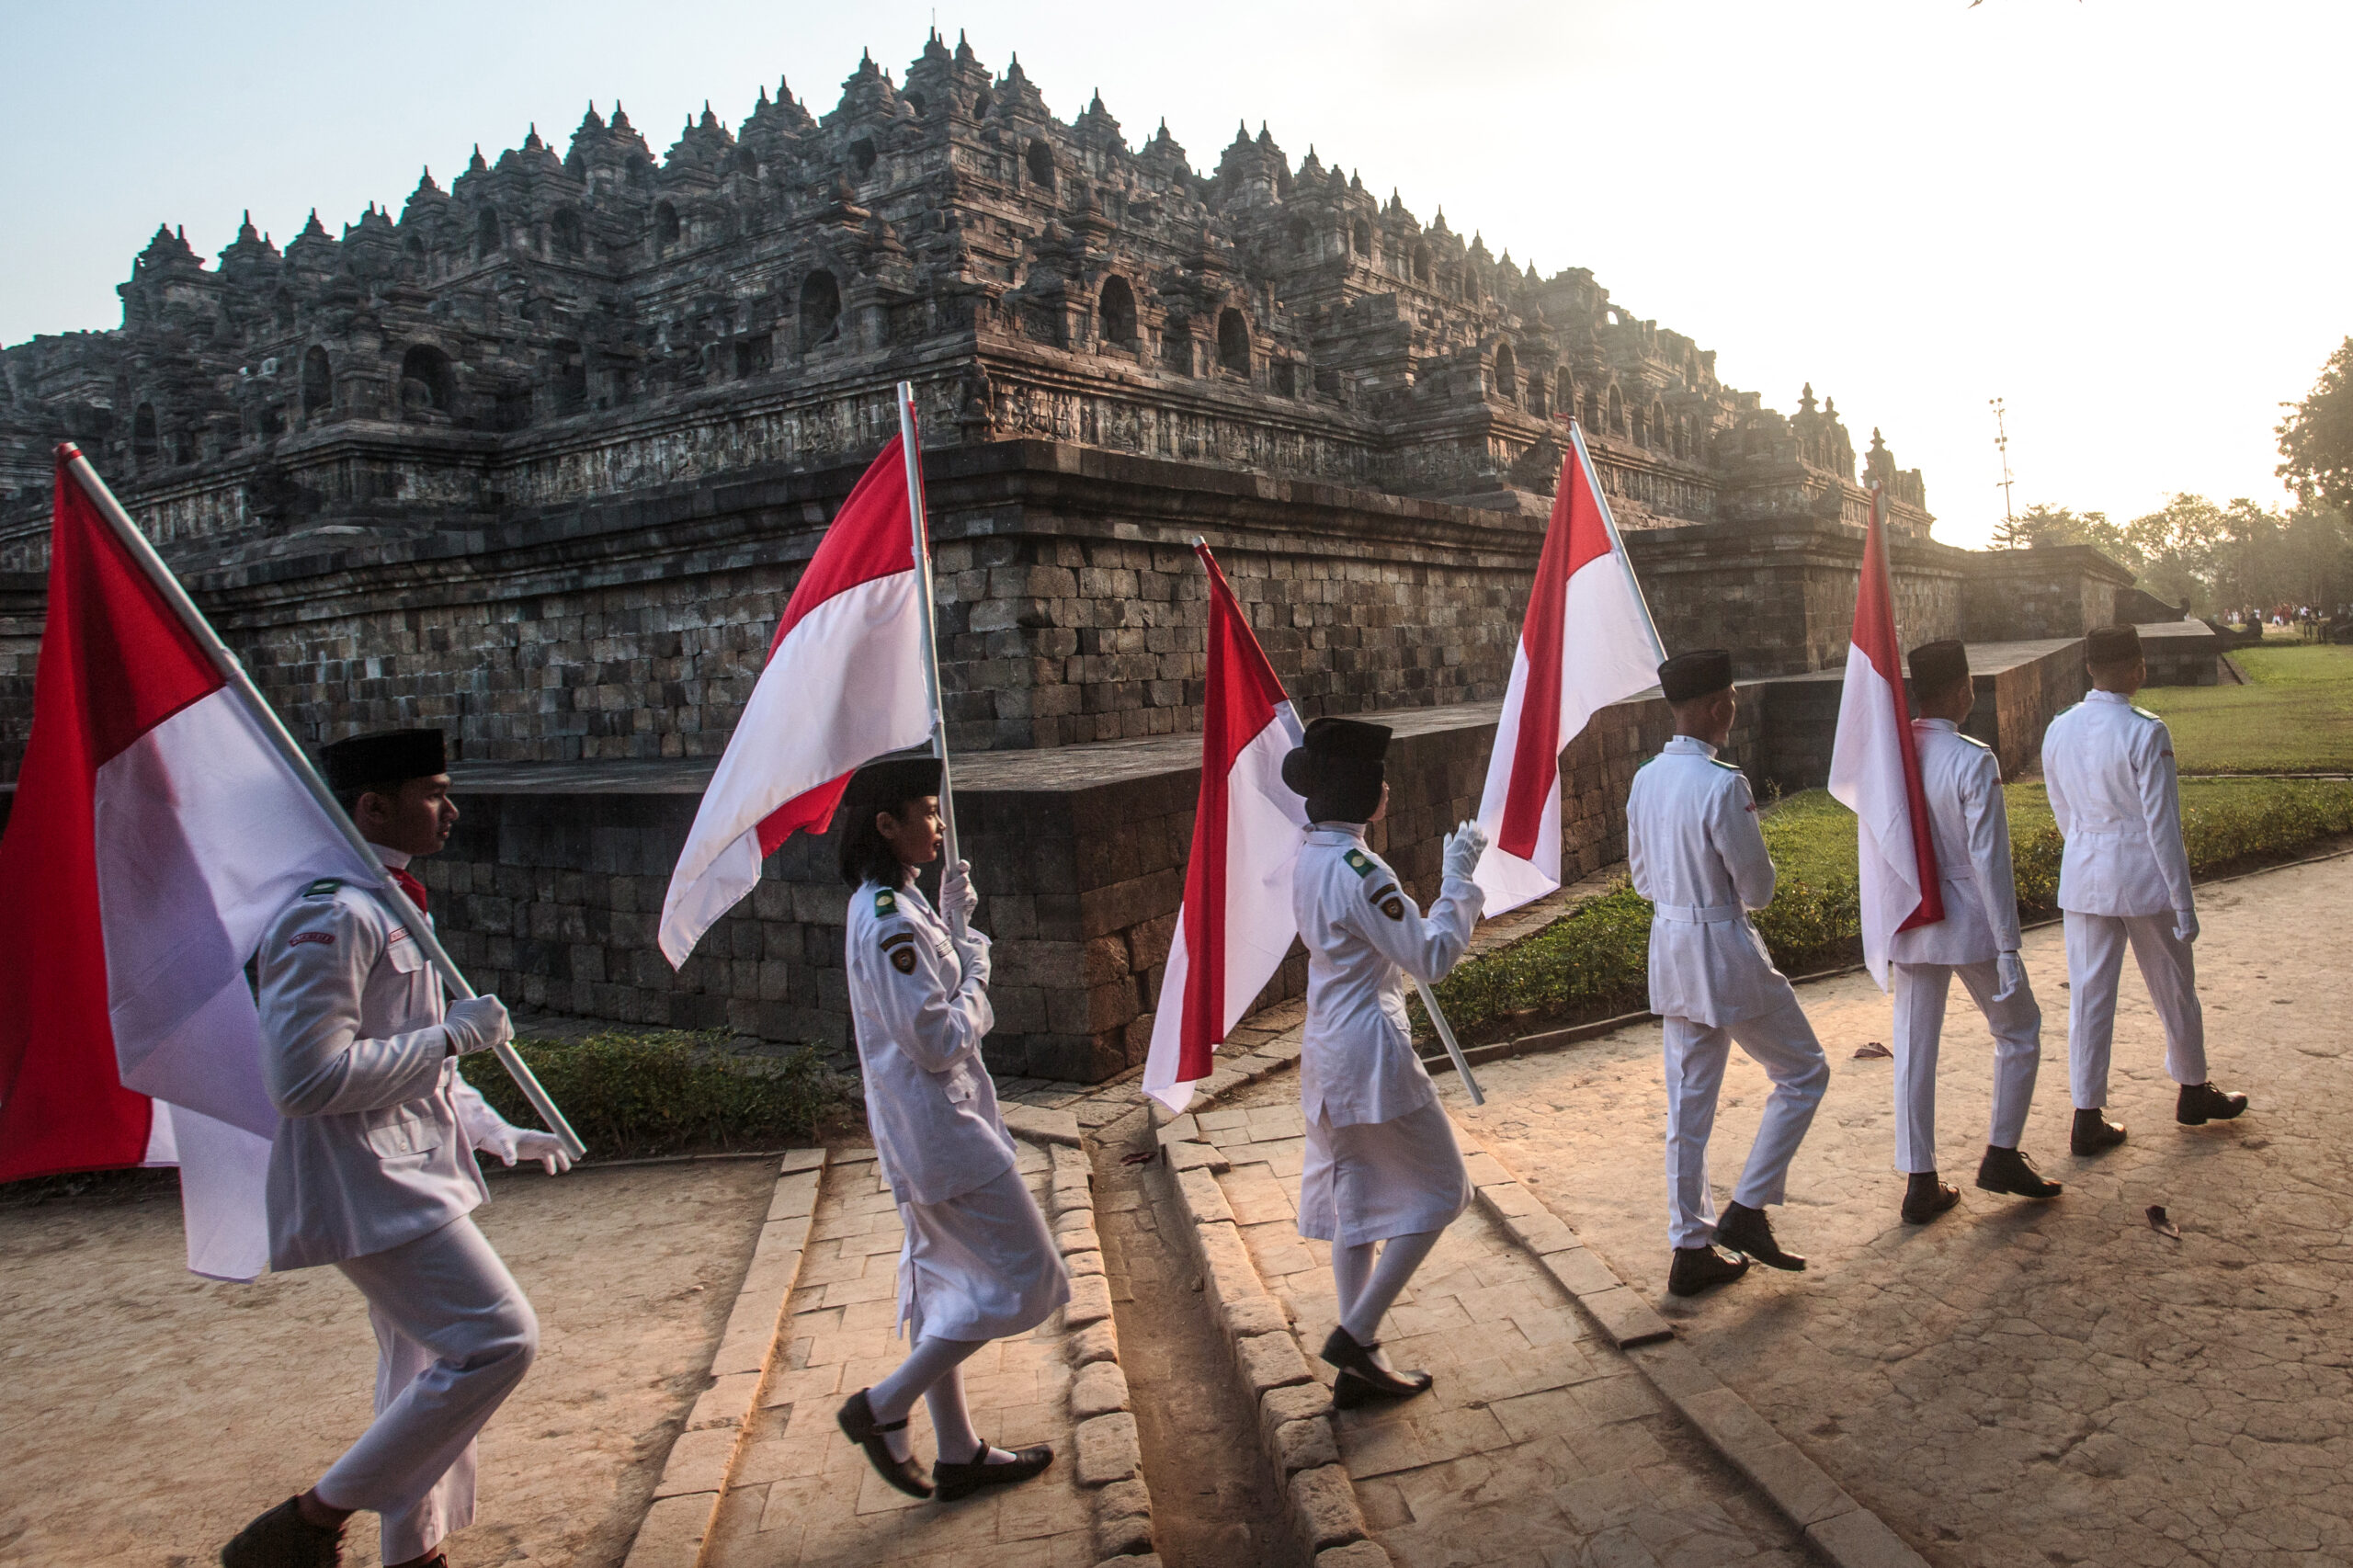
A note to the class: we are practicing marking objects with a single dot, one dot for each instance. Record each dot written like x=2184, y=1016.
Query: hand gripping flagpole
x=299, y=761
x=1429, y=997
x=919, y=536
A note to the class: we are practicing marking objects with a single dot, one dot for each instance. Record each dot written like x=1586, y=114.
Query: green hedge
x=631, y=1096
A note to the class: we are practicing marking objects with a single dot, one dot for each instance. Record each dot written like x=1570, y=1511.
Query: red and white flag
x=1587, y=642
x=844, y=684
x=1875, y=771
x=155, y=834
x=1236, y=924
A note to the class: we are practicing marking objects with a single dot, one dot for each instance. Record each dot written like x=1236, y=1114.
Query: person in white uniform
x=372, y=1170
x=978, y=1263
x=2124, y=879
x=1695, y=851
x=1969, y=824
x=1383, y=1177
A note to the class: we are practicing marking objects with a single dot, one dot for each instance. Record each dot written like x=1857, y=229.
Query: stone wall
x=2049, y=591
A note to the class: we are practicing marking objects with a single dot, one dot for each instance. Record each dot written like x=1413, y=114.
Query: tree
x=2316, y=439
x=2044, y=524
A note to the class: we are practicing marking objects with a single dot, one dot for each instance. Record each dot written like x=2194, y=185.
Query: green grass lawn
x=2296, y=717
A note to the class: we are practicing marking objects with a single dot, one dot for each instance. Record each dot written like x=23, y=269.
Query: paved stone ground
x=1540, y=1444
x=146, y=1414
x=2032, y=1384
x=800, y=1493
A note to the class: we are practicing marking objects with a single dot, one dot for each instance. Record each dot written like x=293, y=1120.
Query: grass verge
x=633, y=1096
x=2295, y=716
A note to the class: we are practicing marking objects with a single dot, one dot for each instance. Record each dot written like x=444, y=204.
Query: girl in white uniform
x=1382, y=1174
x=979, y=1263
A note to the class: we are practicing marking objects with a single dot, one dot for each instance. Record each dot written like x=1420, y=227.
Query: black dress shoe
x=2203, y=1102
x=1699, y=1268
x=962, y=1479
x=1925, y=1197
x=1342, y=1349
x=284, y=1538
x=2094, y=1134
x=857, y=1418
x=1747, y=1231
x=2007, y=1170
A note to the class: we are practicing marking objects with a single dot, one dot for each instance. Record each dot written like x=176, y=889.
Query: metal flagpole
x=295, y=757
x=919, y=536
x=1617, y=541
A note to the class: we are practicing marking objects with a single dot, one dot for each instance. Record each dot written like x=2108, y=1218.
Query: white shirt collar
x=1936, y=724
x=393, y=860
x=2096, y=695
x=1691, y=744
x=1346, y=829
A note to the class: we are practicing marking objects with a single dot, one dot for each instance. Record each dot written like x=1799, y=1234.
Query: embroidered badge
x=1358, y=862
x=324, y=939
x=323, y=886
x=1386, y=899
x=885, y=902
x=904, y=960
x=400, y=934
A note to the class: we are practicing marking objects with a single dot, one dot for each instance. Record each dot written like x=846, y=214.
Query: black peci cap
x=1700, y=672
x=393, y=756
x=887, y=785
x=2112, y=644
x=1339, y=766
x=1935, y=665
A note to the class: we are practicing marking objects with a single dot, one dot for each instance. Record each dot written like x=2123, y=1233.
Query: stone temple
x=538, y=458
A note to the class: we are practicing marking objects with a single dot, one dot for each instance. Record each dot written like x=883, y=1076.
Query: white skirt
x=1378, y=1179
x=979, y=1266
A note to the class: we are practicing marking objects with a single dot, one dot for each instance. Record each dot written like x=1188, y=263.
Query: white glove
x=2185, y=925
x=513, y=1144
x=477, y=1024
x=958, y=898
x=1463, y=847
x=2012, y=970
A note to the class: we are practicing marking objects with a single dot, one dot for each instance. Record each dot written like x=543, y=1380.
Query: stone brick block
x=1090, y=1302
x=1356, y=1554
x=1108, y=1450
x=1099, y=1389
x=1861, y=1540
x=1304, y=1445
x=1324, y=1508
x=1270, y=1361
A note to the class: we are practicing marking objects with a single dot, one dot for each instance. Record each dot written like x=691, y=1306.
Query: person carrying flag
x=1695, y=852
x=1977, y=940
x=372, y=1171
x=1382, y=1173
x=978, y=1263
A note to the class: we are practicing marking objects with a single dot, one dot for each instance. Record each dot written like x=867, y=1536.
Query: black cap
x=887, y=785
x=2113, y=644
x=1935, y=665
x=1700, y=672
x=393, y=757
x=1339, y=767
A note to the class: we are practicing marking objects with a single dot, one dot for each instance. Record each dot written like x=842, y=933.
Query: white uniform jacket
x=1364, y=935
x=1697, y=853
x=2109, y=768
x=921, y=1010
x=376, y=1147
x=1970, y=825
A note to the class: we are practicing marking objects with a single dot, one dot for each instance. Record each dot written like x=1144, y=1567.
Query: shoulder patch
x=324, y=939
x=1358, y=862
x=885, y=902
x=1727, y=766
x=1387, y=900
x=2146, y=714
x=325, y=887
x=1972, y=740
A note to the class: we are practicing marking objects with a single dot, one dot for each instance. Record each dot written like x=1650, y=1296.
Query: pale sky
x=2119, y=215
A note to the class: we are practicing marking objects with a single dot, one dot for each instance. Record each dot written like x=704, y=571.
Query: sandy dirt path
x=146, y=1414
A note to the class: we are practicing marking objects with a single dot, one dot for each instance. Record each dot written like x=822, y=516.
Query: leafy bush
x=659, y=1094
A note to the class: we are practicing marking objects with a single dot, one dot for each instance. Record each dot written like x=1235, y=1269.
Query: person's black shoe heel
x=857, y=1423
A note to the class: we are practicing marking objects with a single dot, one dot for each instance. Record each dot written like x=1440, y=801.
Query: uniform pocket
x=400, y=1130
x=402, y=951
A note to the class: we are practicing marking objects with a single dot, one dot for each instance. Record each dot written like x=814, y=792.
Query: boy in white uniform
x=372, y=1170
x=1969, y=824
x=2124, y=878
x=1695, y=851
x=1382, y=1173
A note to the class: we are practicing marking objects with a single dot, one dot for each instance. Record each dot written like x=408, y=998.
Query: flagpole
x=1617, y=541
x=292, y=754
x=919, y=536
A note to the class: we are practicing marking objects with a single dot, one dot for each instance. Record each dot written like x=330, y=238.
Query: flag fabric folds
x=154, y=835
x=844, y=684
x=1587, y=643
x=1875, y=769
x=1237, y=923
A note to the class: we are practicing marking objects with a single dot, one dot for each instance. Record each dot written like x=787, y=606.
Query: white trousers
x=2016, y=1024
x=1782, y=1042
x=2095, y=959
x=454, y=1337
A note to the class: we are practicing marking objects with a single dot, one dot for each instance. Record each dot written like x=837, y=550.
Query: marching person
x=1695, y=851
x=1978, y=939
x=978, y=1263
x=2124, y=878
x=372, y=1170
x=1382, y=1175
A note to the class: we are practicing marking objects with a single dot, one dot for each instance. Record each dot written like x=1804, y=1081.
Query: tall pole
x=919, y=537
x=2002, y=446
x=299, y=761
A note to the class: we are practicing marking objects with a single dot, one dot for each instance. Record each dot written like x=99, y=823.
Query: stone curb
x=1109, y=1456
x=695, y=1476
x=1840, y=1530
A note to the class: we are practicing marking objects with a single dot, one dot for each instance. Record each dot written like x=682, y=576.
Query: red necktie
x=409, y=885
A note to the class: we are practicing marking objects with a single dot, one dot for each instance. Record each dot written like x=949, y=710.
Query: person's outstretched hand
x=1463, y=847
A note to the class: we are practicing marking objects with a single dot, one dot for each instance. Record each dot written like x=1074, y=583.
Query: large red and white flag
x=1587, y=642
x=1236, y=924
x=155, y=834
x=844, y=684
x=1875, y=769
